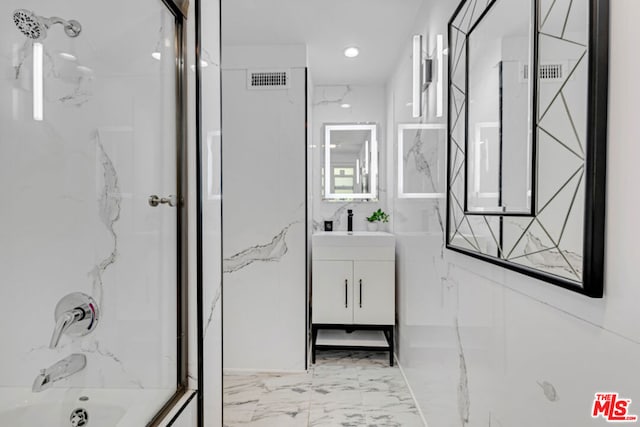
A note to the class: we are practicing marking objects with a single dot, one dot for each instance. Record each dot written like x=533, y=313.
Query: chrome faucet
x=58, y=371
x=76, y=314
x=63, y=323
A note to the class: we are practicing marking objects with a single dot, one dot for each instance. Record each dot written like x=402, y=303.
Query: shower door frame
x=179, y=9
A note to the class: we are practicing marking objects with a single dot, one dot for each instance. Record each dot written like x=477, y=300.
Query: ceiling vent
x=546, y=72
x=268, y=79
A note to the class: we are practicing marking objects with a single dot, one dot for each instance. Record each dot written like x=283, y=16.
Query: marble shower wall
x=74, y=215
x=367, y=106
x=482, y=346
x=264, y=235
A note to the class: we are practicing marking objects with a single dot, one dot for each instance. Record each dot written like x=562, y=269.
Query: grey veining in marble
x=337, y=100
x=20, y=57
x=94, y=347
x=549, y=391
x=336, y=218
x=206, y=56
x=109, y=213
x=344, y=388
x=79, y=96
x=269, y=252
x=421, y=163
x=464, y=401
x=544, y=256
x=212, y=308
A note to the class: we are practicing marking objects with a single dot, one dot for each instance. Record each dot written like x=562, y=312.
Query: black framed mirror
x=527, y=131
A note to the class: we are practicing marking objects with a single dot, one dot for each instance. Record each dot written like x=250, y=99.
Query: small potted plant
x=377, y=217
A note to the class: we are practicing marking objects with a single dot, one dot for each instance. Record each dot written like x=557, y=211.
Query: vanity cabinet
x=353, y=291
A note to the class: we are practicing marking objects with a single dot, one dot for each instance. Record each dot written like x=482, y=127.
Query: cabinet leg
x=314, y=336
x=391, y=346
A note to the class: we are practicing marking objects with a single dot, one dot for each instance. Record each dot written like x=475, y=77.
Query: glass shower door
x=90, y=206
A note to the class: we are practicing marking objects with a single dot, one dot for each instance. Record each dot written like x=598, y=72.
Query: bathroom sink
x=356, y=238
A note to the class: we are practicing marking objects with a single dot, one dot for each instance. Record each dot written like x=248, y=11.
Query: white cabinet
x=353, y=292
x=353, y=288
x=374, y=288
x=333, y=294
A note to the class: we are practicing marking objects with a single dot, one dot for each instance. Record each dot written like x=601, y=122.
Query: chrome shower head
x=35, y=27
x=30, y=24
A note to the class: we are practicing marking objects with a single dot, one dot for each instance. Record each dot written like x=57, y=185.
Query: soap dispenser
x=350, y=221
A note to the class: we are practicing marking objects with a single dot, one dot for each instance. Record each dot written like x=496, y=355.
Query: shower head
x=35, y=27
x=29, y=24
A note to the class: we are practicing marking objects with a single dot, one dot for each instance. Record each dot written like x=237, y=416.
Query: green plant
x=378, y=215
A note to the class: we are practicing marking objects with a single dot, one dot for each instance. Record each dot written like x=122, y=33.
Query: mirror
x=421, y=160
x=499, y=91
x=350, y=162
x=527, y=150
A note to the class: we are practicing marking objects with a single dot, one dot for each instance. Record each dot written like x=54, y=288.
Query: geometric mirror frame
x=562, y=242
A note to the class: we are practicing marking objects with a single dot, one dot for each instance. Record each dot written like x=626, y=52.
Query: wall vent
x=268, y=79
x=546, y=72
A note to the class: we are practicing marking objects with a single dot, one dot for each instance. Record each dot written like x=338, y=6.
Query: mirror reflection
x=499, y=136
x=350, y=162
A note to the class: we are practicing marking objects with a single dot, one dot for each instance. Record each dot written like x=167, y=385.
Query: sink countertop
x=354, y=233
x=357, y=238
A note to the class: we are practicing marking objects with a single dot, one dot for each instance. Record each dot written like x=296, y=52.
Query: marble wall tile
x=78, y=183
x=264, y=225
x=481, y=346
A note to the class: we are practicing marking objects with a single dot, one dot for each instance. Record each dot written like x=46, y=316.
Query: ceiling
x=381, y=29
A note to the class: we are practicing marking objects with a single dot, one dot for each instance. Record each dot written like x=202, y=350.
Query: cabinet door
x=374, y=292
x=332, y=292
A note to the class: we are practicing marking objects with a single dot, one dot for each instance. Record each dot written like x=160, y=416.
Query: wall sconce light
x=422, y=74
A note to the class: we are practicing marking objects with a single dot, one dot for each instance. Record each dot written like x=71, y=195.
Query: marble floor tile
x=343, y=389
x=336, y=415
x=382, y=418
x=283, y=414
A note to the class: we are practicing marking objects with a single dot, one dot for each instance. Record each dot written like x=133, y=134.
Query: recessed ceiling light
x=345, y=105
x=351, y=52
x=156, y=55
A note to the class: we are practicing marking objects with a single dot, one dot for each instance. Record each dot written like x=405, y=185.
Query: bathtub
x=104, y=407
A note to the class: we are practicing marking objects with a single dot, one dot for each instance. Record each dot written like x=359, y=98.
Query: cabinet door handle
x=360, y=293
x=345, y=294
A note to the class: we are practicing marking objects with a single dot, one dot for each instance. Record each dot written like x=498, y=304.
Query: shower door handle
x=155, y=200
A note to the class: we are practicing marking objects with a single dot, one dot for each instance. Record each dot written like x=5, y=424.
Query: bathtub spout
x=58, y=371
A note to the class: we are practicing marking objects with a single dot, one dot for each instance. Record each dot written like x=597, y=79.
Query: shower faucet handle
x=155, y=200
x=76, y=314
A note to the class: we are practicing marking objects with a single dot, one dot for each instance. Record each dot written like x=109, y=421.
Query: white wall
x=264, y=234
x=482, y=346
x=367, y=106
